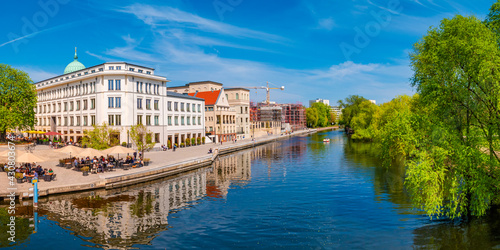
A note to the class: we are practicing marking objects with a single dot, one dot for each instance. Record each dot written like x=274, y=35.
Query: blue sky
x=316, y=49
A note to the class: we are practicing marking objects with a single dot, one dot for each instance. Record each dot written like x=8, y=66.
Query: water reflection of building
x=132, y=217
x=234, y=169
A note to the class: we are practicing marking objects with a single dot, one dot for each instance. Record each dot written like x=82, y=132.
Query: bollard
x=35, y=193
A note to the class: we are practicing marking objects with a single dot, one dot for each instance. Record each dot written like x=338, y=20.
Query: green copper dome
x=74, y=65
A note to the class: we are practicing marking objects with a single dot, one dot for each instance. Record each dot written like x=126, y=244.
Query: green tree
x=350, y=108
x=456, y=67
x=361, y=123
x=142, y=138
x=312, y=117
x=17, y=100
x=98, y=137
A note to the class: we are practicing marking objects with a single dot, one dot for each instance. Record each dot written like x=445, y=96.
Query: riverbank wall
x=151, y=173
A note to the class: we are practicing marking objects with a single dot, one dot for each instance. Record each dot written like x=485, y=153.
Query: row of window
x=82, y=89
x=148, y=88
x=114, y=102
x=184, y=120
x=148, y=104
x=114, y=85
x=188, y=107
x=72, y=121
x=67, y=106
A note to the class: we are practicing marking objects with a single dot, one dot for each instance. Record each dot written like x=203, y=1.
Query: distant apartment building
x=266, y=119
x=239, y=99
x=327, y=102
x=235, y=104
x=294, y=115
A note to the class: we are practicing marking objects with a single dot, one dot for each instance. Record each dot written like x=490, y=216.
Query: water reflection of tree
x=387, y=180
x=23, y=229
x=475, y=234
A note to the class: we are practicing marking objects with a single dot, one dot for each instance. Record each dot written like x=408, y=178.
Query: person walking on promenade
x=175, y=146
x=135, y=155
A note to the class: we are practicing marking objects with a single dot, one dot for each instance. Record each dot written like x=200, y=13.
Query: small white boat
x=326, y=140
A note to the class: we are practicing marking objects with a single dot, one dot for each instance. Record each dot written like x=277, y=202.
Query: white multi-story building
x=326, y=102
x=185, y=117
x=117, y=93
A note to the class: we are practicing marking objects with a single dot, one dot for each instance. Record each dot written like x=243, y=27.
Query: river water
x=294, y=194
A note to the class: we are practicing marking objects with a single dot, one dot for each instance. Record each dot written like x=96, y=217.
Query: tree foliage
x=142, y=138
x=99, y=137
x=318, y=115
x=350, y=108
x=456, y=72
x=17, y=100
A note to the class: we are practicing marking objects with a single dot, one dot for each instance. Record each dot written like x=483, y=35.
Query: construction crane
x=268, y=96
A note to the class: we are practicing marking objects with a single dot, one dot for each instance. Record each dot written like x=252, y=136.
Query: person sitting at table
x=50, y=171
x=42, y=172
x=75, y=163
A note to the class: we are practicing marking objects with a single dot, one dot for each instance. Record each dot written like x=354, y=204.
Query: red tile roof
x=210, y=97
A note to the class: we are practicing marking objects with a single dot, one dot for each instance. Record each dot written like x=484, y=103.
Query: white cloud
x=326, y=23
x=36, y=74
x=158, y=16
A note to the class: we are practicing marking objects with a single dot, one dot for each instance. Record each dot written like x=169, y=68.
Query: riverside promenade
x=163, y=164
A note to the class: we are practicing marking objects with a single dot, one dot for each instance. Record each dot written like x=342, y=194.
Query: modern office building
x=119, y=94
x=327, y=102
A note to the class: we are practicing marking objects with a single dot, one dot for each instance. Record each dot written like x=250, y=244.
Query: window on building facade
x=148, y=72
x=176, y=106
x=148, y=104
x=188, y=107
x=85, y=104
x=131, y=69
x=237, y=96
x=148, y=120
x=169, y=106
x=65, y=106
x=157, y=106
x=139, y=103
x=137, y=87
x=78, y=120
x=59, y=121
x=182, y=106
x=77, y=105
x=111, y=102
x=170, y=120
x=188, y=120
x=141, y=87
x=194, y=120
x=139, y=119
x=111, y=68
x=85, y=121
x=176, y=120
x=199, y=120
x=110, y=84
x=118, y=102
x=111, y=120
x=92, y=103
x=157, y=120
x=182, y=120
x=139, y=70
x=157, y=137
x=118, y=67
x=118, y=84
x=149, y=88
x=194, y=107
x=118, y=120
x=92, y=120
x=65, y=121
x=199, y=108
